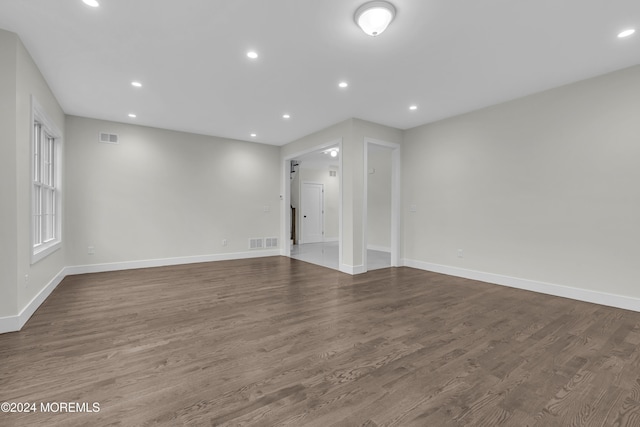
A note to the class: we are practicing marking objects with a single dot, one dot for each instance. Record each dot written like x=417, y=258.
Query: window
x=45, y=193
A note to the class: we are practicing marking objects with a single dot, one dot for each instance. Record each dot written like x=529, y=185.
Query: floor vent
x=108, y=138
x=256, y=243
x=271, y=242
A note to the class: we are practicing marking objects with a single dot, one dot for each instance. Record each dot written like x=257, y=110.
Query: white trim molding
x=352, y=269
x=16, y=323
x=394, y=250
x=585, y=295
x=164, y=262
x=285, y=191
x=379, y=248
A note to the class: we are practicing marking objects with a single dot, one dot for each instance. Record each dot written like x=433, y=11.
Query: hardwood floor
x=276, y=341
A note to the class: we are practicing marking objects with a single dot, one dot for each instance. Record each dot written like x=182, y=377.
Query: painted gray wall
x=19, y=80
x=543, y=188
x=379, y=198
x=163, y=194
x=8, y=178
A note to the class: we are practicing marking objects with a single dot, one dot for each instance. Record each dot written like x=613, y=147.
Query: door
x=311, y=212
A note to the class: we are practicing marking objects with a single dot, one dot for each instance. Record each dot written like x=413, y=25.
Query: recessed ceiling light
x=253, y=135
x=133, y=116
x=136, y=84
x=343, y=84
x=92, y=3
x=413, y=107
x=626, y=33
x=252, y=54
x=286, y=116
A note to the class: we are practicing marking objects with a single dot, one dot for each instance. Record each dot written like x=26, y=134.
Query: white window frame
x=45, y=178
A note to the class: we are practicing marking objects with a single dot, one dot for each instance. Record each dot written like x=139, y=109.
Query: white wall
x=31, y=82
x=8, y=178
x=19, y=80
x=379, y=198
x=163, y=194
x=543, y=188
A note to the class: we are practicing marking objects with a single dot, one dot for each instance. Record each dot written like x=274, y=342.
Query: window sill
x=44, y=251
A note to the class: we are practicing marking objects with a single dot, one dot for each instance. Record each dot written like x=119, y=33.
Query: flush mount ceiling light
x=92, y=3
x=413, y=107
x=252, y=55
x=343, y=85
x=253, y=135
x=374, y=17
x=286, y=116
x=136, y=84
x=333, y=152
x=626, y=33
x=133, y=116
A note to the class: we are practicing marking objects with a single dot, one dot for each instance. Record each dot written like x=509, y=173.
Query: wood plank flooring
x=279, y=342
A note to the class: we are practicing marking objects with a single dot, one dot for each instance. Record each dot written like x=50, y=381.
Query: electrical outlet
x=91, y=250
x=224, y=242
x=26, y=279
x=460, y=253
x=267, y=208
x=413, y=208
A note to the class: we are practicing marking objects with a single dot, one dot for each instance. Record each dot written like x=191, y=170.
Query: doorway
x=312, y=213
x=381, y=208
x=312, y=194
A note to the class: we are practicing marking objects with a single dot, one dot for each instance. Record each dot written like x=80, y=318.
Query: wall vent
x=271, y=242
x=256, y=243
x=108, y=138
x=333, y=173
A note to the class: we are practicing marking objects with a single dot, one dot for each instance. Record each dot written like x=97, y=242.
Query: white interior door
x=311, y=215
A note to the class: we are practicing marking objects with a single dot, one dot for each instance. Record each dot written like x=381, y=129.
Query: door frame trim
x=395, y=200
x=285, y=191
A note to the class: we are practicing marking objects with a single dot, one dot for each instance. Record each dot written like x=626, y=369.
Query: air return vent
x=271, y=242
x=108, y=138
x=256, y=243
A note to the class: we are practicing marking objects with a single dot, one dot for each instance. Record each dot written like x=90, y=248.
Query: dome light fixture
x=374, y=17
x=333, y=152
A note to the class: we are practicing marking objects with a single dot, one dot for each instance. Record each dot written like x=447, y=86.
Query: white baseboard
x=352, y=269
x=163, y=262
x=378, y=248
x=330, y=239
x=9, y=324
x=15, y=323
x=586, y=295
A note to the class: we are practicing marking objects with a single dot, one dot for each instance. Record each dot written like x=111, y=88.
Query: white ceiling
x=446, y=56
